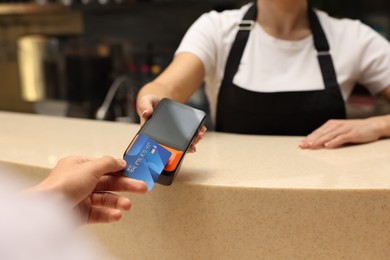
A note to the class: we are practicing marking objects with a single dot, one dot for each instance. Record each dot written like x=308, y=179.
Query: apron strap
x=321, y=44
x=239, y=43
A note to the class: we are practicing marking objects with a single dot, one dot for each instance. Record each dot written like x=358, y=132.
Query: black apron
x=277, y=113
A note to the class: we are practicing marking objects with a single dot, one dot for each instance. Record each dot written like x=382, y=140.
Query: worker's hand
x=86, y=184
x=198, y=137
x=145, y=108
x=335, y=133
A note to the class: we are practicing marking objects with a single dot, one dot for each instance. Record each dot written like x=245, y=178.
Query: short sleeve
x=201, y=40
x=374, y=65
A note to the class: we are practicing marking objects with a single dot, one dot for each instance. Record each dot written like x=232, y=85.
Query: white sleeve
x=374, y=65
x=201, y=40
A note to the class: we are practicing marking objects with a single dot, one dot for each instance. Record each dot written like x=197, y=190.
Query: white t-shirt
x=360, y=55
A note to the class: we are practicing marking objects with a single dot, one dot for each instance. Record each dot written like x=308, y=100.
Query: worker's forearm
x=151, y=94
x=162, y=90
x=155, y=89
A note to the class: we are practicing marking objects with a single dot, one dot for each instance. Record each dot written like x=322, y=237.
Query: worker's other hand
x=86, y=183
x=335, y=133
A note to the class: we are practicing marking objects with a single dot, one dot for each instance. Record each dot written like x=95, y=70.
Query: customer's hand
x=85, y=183
x=335, y=133
x=145, y=109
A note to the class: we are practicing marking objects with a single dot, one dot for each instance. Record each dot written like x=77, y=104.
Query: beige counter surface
x=237, y=197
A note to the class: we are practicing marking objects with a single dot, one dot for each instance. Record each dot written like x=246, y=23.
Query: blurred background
x=88, y=58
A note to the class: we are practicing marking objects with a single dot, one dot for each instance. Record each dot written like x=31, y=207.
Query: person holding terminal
x=279, y=67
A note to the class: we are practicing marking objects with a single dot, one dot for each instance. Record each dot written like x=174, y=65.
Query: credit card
x=145, y=160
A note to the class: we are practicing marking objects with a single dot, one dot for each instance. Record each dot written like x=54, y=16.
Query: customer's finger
x=103, y=215
x=110, y=200
x=104, y=165
x=121, y=184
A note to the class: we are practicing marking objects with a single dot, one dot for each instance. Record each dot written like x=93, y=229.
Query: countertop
x=237, y=197
x=221, y=159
